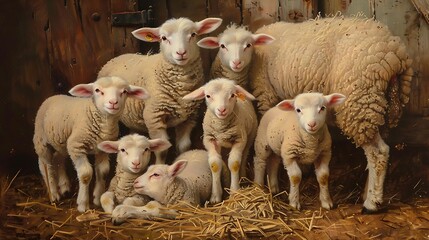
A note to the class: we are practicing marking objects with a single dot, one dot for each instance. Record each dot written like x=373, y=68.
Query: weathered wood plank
x=257, y=13
x=411, y=131
x=194, y=9
x=332, y=7
x=123, y=40
x=297, y=10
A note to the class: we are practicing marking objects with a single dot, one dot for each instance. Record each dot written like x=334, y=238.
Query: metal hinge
x=140, y=18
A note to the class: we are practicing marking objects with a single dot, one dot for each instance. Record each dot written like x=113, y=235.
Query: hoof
x=117, y=222
x=377, y=211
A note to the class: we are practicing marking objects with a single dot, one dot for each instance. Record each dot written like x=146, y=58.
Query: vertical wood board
x=297, y=10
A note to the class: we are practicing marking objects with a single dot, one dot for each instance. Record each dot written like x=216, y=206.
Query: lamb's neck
x=178, y=78
x=176, y=191
x=125, y=181
x=103, y=125
x=240, y=78
x=223, y=125
x=313, y=140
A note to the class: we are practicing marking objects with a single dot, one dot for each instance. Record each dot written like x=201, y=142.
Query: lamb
x=227, y=123
x=174, y=72
x=72, y=126
x=188, y=180
x=132, y=160
x=357, y=57
x=301, y=136
x=235, y=53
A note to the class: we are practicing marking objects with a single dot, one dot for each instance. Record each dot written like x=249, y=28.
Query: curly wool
x=353, y=56
x=122, y=185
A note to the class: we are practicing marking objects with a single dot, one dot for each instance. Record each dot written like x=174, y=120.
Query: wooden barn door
x=48, y=46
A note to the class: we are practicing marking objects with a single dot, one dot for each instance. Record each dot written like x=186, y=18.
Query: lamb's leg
x=295, y=176
x=262, y=153
x=48, y=171
x=102, y=167
x=377, y=154
x=183, y=135
x=150, y=210
x=273, y=172
x=215, y=161
x=107, y=200
x=321, y=166
x=137, y=200
x=234, y=163
x=63, y=180
x=84, y=174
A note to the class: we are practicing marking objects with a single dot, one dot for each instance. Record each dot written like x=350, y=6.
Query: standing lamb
x=235, y=53
x=357, y=57
x=133, y=158
x=72, y=126
x=188, y=179
x=296, y=131
x=228, y=123
x=176, y=71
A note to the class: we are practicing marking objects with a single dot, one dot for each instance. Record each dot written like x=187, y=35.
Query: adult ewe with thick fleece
x=176, y=71
x=359, y=58
x=133, y=156
x=73, y=126
x=295, y=132
x=228, y=123
x=188, y=180
x=235, y=54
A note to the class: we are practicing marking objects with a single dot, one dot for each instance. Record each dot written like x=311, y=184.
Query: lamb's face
x=220, y=98
x=134, y=153
x=154, y=182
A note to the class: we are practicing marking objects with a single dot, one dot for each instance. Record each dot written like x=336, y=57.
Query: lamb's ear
x=209, y=42
x=197, y=94
x=242, y=93
x=138, y=92
x=334, y=99
x=286, y=105
x=177, y=167
x=208, y=25
x=159, y=144
x=262, y=39
x=108, y=146
x=82, y=90
x=147, y=34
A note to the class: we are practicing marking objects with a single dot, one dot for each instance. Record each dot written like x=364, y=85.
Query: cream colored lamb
x=235, y=54
x=133, y=156
x=174, y=72
x=229, y=122
x=357, y=57
x=74, y=126
x=188, y=180
x=295, y=132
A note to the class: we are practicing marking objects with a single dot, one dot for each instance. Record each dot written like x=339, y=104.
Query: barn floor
x=27, y=214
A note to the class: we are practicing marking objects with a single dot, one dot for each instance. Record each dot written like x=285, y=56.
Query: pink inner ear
x=210, y=43
x=109, y=148
x=207, y=26
x=286, y=106
x=335, y=99
x=81, y=91
x=262, y=40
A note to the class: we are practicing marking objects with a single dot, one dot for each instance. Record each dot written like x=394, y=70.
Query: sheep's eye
x=208, y=96
x=322, y=108
x=222, y=46
x=193, y=34
x=125, y=92
x=122, y=150
x=155, y=175
x=97, y=90
x=164, y=38
x=233, y=95
x=248, y=45
x=298, y=110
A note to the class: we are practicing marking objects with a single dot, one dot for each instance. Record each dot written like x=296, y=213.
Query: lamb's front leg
x=295, y=176
x=234, y=163
x=215, y=162
x=102, y=167
x=321, y=166
x=156, y=124
x=84, y=174
x=183, y=135
x=161, y=133
x=150, y=210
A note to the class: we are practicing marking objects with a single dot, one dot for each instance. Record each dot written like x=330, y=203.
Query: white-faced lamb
x=74, y=126
x=235, y=54
x=229, y=122
x=133, y=156
x=355, y=56
x=174, y=72
x=188, y=180
x=295, y=133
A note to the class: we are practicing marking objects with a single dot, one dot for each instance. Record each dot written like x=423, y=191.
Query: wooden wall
x=47, y=46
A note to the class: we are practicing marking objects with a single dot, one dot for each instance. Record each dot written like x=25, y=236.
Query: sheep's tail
x=398, y=95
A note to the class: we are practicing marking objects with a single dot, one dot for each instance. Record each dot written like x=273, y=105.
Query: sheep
x=187, y=180
x=133, y=156
x=227, y=123
x=66, y=125
x=174, y=72
x=355, y=56
x=235, y=53
x=295, y=131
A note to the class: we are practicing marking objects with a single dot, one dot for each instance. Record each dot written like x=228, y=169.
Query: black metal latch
x=140, y=18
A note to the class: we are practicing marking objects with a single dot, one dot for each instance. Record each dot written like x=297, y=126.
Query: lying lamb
x=188, y=179
x=235, y=53
x=357, y=57
x=133, y=156
x=295, y=132
x=176, y=71
x=228, y=123
x=72, y=126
